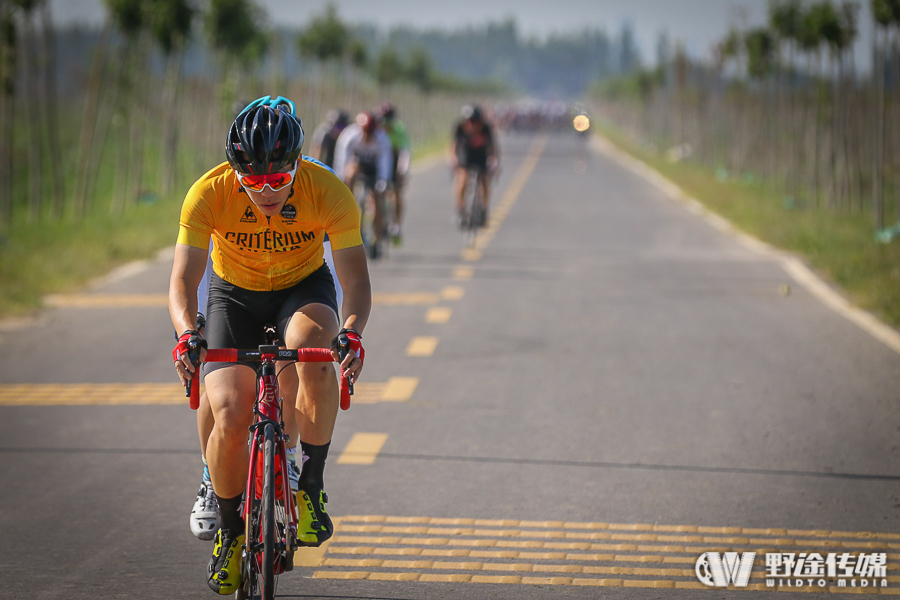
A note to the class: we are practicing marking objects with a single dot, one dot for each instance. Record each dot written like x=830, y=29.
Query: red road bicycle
x=270, y=514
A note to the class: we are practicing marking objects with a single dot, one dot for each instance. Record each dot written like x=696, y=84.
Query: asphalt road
x=602, y=390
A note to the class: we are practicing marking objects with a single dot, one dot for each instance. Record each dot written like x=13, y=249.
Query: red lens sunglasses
x=275, y=181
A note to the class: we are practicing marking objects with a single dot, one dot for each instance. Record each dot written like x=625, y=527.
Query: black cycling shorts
x=236, y=317
x=473, y=159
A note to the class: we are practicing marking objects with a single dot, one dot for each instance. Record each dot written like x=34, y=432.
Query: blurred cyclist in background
x=396, y=131
x=363, y=153
x=474, y=146
x=326, y=134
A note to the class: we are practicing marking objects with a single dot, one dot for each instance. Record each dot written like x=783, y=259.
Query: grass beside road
x=840, y=246
x=40, y=259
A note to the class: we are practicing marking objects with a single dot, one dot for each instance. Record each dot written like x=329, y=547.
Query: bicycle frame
x=270, y=542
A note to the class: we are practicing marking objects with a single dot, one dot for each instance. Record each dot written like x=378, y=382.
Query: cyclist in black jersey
x=474, y=145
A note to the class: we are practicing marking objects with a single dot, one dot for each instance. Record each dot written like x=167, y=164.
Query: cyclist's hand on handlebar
x=188, y=353
x=349, y=344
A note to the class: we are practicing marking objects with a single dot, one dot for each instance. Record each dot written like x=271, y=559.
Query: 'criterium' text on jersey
x=270, y=240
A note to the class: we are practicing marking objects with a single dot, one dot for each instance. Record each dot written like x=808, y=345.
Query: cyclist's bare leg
x=314, y=326
x=398, y=205
x=205, y=422
x=485, y=182
x=460, y=183
x=232, y=392
x=378, y=217
x=287, y=382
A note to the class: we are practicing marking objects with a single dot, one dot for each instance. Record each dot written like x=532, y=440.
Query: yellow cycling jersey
x=260, y=254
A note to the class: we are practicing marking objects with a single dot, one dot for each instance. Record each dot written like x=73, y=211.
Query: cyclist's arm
x=187, y=272
x=385, y=157
x=353, y=275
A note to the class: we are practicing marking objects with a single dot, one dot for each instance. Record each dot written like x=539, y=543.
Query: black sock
x=229, y=508
x=312, y=476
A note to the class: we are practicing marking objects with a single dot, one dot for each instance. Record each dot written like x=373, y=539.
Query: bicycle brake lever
x=193, y=391
x=343, y=350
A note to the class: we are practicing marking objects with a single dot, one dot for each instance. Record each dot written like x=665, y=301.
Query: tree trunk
x=51, y=116
x=169, y=141
x=7, y=110
x=33, y=104
x=89, y=123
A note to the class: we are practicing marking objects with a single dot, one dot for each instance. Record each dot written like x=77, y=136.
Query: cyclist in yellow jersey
x=268, y=210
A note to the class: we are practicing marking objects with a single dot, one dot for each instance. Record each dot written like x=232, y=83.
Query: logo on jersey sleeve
x=249, y=216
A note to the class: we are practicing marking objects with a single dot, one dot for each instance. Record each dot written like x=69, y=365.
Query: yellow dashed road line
x=463, y=273
x=506, y=551
x=423, y=345
x=453, y=292
x=438, y=314
x=362, y=449
x=405, y=299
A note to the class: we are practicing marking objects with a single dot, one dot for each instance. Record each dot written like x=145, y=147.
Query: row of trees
x=136, y=124
x=784, y=102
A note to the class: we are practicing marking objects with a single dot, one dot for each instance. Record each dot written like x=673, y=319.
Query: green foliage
x=886, y=12
x=637, y=86
x=326, y=37
x=760, y=47
x=388, y=67
x=235, y=28
x=358, y=53
x=129, y=16
x=785, y=18
x=170, y=20
x=421, y=71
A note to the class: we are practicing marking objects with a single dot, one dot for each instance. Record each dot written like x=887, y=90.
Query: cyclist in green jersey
x=396, y=131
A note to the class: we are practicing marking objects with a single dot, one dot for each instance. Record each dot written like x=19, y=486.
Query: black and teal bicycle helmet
x=266, y=137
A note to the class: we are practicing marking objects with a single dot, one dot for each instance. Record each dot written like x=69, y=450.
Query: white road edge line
x=792, y=265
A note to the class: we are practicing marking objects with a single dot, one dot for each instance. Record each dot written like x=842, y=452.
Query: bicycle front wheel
x=267, y=515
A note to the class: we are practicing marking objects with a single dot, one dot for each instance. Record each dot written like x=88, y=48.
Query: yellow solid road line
x=520, y=580
x=422, y=346
x=438, y=314
x=91, y=393
x=362, y=449
x=592, y=536
x=499, y=551
x=773, y=531
x=396, y=389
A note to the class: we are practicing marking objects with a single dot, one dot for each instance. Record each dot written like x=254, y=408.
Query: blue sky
x=697, y=23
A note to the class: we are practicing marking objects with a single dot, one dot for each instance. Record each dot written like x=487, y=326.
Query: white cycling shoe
x=205, y=519
x=293, y=476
